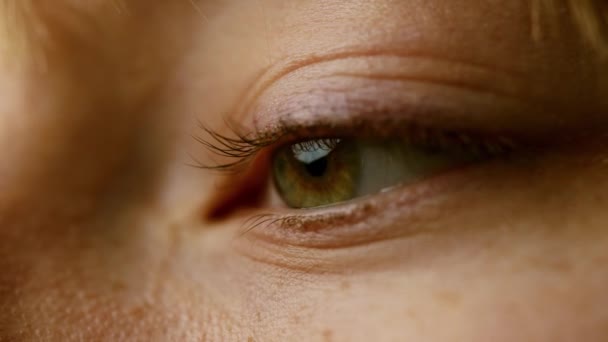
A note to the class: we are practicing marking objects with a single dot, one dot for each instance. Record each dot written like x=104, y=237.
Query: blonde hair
x=32, y=30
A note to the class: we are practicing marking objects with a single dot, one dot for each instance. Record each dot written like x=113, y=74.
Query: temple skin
x=102, y=235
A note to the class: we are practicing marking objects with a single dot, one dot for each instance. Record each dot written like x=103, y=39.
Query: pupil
x=317, y=168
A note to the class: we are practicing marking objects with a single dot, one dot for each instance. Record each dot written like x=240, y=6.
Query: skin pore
x=103, y=226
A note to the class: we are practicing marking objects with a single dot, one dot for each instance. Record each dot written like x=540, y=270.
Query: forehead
x=66, y=15
x=222, y=33
x=79, y=13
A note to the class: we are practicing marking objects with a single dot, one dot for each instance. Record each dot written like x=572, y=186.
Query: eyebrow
x=591, y=17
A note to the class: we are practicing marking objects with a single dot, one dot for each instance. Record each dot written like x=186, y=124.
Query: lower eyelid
x=366, y=220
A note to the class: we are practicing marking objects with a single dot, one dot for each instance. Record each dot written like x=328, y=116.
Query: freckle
x=137, y=313
x=448, y=298
x=118, y=286
x=562, y=266
x=345, y=285
x=250, y=339
x=412, y=315
x=327, y=335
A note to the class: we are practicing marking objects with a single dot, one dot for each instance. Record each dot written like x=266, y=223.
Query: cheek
x=469, y=303
x=104, y=286
x=477, y=287
x=522, y=259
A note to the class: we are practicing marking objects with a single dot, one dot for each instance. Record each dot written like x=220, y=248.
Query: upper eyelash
x=327, y=144
x=243, y=147
x=239, y=147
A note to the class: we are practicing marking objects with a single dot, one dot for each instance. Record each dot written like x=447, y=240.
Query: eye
x=325, y=172
x=292, y=166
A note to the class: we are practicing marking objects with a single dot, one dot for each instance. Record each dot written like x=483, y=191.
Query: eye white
x=386, y=165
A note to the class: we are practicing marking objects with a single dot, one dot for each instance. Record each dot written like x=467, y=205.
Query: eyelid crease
x=271, y=74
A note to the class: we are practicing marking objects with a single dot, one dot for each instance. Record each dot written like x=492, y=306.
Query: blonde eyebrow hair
x=590, y=18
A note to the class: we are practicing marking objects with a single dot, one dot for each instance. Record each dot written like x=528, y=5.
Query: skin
x=103, y=227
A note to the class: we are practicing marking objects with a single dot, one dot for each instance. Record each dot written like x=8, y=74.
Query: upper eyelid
x=344, y=98
x=313, y=112
x=279, y=70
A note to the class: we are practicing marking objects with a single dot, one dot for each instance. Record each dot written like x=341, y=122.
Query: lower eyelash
x=321, y=229
x=260, y=220
x=295, y=223
x=300, y=222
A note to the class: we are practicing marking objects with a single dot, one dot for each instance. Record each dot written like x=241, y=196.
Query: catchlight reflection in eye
x=325, y=172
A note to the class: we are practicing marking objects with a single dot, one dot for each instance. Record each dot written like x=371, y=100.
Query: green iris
x=317, y=173
x=324, y=172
